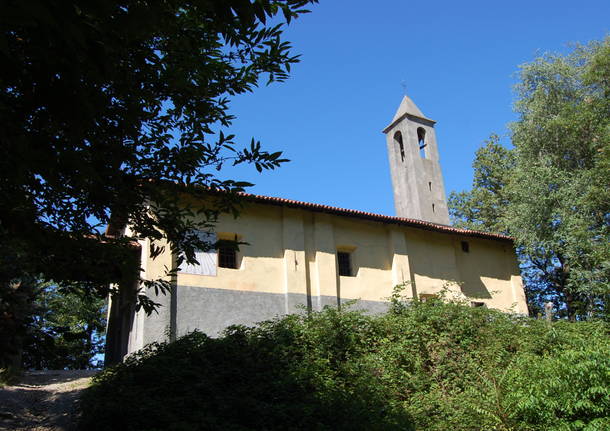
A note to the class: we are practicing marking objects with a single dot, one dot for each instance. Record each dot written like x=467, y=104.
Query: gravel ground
x=43, y=400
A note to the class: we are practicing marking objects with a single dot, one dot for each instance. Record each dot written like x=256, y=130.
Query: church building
x=303, y=256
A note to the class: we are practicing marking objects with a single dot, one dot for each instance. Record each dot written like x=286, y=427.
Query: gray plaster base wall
x=155, y=327
x=213, y=310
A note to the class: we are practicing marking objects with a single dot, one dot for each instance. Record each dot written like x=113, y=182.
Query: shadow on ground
x=43, y=400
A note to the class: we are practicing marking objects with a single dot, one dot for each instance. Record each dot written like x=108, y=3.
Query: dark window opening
x=227, y=257
x=432, y=207
x=465, y=247
x=345, y=263
x=430, y=185
x=401, y=147
x=477, y=304
x=421, y=139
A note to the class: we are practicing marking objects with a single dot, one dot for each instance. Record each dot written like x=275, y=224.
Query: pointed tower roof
x=407, y=107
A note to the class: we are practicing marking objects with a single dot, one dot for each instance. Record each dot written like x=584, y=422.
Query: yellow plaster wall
x=371, y=260
x=294, y=251
x=487, y=273
x=261, y=264
x=156, y=268
x=432, y=260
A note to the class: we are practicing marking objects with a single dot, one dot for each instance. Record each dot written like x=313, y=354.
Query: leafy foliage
x=110, y=111
x=15, y=313
x=550, y=192
x=46, y=326
x=289, y=374
x=482, y=207
x=423, y=365
x=66, y=330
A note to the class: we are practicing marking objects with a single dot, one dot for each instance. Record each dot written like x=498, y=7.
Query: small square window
x=227, y=257
x=345, y=263
x=465, y=247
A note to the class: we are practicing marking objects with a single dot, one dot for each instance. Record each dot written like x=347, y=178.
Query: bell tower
x=417, y=179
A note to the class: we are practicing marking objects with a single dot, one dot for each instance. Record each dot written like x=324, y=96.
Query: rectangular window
x=465, y=247
x=227, y=256
x=345, y=263
x=477, y=304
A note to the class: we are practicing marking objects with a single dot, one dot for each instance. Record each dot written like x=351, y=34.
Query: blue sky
x=457, y=60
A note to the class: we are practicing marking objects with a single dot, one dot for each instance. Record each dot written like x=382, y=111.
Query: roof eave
x=410, y=116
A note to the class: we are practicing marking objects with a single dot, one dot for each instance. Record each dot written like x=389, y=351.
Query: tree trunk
x=570, y=307
x=16, y=298
x=122, y=307
x=120, y=318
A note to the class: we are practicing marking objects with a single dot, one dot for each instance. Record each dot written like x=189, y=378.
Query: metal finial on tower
x=403, y=84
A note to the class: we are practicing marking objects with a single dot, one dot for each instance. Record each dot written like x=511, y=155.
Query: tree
x=15, y=314
x=112, y=111
x=482, y=207
x=550, y=192
x=66, y=330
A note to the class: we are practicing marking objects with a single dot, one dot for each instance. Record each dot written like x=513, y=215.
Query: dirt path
x=43, y=400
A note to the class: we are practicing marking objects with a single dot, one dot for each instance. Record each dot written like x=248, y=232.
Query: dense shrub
x=425, y=366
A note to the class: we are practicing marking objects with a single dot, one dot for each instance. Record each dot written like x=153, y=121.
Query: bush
x=428, y=366
x=290, y=374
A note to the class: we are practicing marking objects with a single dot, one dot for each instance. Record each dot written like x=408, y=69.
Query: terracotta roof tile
x=421, y=224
